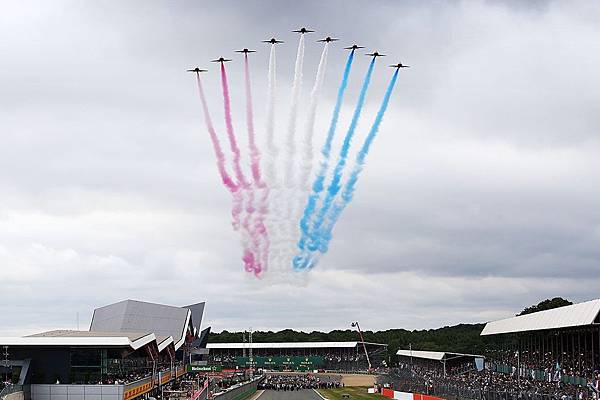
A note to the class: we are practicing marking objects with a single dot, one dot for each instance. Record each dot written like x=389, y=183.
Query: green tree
x=546, y=305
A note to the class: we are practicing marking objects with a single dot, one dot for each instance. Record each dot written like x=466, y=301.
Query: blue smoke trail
x=350, y=185
x=334, y=186
x=317, y=187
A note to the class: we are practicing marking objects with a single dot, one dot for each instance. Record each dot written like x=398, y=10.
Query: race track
x=307, y=394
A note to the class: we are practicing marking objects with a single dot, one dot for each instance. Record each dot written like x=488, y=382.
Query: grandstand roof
x=287, y=345
x=82, y=338
x=432, y=355
x=580, y=314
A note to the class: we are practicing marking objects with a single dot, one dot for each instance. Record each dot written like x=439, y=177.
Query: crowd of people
x=488, y=384
x=119, y=377
x=300, y=382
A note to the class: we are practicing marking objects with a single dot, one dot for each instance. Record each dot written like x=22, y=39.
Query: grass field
x=354, y=392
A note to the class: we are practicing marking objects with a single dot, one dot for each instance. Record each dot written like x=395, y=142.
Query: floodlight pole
x=250, y=353
x=6, y=363
x=362, y=339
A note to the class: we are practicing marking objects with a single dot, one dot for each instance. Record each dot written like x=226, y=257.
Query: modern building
x=131, y=349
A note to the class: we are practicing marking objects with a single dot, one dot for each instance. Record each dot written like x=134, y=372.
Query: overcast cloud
x=481, y=194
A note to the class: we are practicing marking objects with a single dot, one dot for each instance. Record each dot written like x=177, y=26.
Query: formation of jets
x=301, y=31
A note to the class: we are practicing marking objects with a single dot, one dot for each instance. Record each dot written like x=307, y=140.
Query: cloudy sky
x=481, y=194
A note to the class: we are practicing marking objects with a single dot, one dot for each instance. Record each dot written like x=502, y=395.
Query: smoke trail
x=317, y=187
x=227, y=181
x=238, y=199
x=291, y=131
x=269, y=201
x=307, y=159
x=284, y=204
x=254, y=152
x=334, y=186
x=350, y=186
x=239, y=174
x=233, y=188
x=307, y=153
x=270, y=127
x=255, y=216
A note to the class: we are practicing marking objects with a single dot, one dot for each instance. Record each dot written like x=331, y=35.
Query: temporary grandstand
x=335, y=356
x=561, y=344
x=131, y=349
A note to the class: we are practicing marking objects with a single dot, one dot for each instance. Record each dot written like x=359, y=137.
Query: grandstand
x=546, y=355
x=559, y=345
x=334, y=356
x=131, y=349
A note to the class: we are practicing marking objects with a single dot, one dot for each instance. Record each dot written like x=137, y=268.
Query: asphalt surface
x=307, y=394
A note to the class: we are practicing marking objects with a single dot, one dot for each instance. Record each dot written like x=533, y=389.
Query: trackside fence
x=240, y=392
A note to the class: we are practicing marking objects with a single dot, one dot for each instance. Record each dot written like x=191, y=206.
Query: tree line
x=462, y=338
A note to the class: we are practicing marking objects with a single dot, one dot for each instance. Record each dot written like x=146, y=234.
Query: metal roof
x=163, y=342
x=288, y=345
x=133, y=336
x=580, y=314
x=80, y=338
x=132, y=315
x=429, y=355
x=432, y=355
x=197, y=313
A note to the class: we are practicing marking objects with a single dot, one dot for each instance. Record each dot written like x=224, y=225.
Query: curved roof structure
x=580, y=314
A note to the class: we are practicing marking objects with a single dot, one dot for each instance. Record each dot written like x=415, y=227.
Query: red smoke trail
x=251, y=263
x=258, y=231
x=239, y=174
x=227, y=181
x=254, y=153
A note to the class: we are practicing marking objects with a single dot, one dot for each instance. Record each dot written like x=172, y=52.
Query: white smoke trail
x=307, y=154
x=272, y=149
x=270, y=198
x=289, y=190
x=298, y=194
x=291, y=131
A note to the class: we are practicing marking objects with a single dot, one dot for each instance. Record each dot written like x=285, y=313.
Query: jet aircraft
x=272, y=41
x=303, y=31
x=327, y=39
x=221, y=60
x=353, y=47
